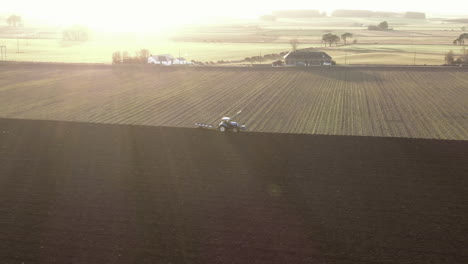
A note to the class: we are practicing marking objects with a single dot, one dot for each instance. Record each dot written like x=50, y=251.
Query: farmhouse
x=307, y=58
x=166, y=59
x=181, y=61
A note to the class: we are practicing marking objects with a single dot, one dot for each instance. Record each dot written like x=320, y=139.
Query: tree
x=14, y=20
x=116, y=57
x=415, y=15
x=330, y=39
x=461, y=39
x=383, y=25
x=294, y=43
x=449, y=57
x=345, y=36
x=144, y=54
x=125, y=57
x=76, y=33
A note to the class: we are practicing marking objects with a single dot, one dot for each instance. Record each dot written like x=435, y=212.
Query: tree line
x=124, y=57
x=334, y=39
x=382, y=26
x=14, y=20
x=76, y=33
x=461, y=39
x=340, y=13
x=451, y=59
x=368, y=13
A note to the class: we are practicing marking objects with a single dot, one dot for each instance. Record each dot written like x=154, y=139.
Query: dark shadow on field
x=122, y=194
x=348, y=75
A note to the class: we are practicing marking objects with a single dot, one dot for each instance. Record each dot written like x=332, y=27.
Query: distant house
x=166, y=59
x=181, y=61
x=307, y=58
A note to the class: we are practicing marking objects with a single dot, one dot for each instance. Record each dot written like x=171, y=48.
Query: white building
x=181, y=61
x=166, y=59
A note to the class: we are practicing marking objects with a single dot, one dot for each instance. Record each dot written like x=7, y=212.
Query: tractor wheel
x=235, y=130
x=222, y=129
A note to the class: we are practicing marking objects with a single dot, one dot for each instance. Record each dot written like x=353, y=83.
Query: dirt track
x=93, y=193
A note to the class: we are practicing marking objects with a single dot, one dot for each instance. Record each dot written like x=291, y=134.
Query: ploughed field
x=100, y=193
x=369, y=101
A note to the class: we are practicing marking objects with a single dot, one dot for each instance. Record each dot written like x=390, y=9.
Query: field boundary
x=246, y=133
x=376, y=67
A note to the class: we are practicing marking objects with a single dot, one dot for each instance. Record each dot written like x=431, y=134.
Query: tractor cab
x=228, y=125
x=226, y=121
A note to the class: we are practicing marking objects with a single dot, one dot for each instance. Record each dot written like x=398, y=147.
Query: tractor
x=226, y=125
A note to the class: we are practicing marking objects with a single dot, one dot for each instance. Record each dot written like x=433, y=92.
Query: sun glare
x=157, y=16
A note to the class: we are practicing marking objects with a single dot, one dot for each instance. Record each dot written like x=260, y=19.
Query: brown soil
x=94, y=193
x=409, y=102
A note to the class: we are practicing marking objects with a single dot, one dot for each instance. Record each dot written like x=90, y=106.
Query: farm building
x=181, y=61
x=307, y=58
x=166, y=59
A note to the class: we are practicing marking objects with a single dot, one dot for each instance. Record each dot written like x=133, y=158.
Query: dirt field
x=368, y=101
x=95, y=193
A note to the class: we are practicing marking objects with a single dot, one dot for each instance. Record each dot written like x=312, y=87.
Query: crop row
x=395, y=103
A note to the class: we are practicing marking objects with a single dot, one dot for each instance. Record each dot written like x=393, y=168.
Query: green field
x=101, y=51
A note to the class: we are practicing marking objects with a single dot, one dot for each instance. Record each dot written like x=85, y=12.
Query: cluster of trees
x=415, y=15
x=330, y=38
x=266, y=57
x=368, y=13
x=461, y=39
x=76, y=33
x=204, y=63
x=14, y=20
x=299, y=13
x=199, y=62
x=345, y=36
x=382, y=26
x=451, y=59
x=124, y=57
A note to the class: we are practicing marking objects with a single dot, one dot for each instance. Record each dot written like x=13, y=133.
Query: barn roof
x=163, y=57
x=307, y=55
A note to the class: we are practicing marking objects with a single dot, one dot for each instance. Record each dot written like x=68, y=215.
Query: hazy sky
x=126, y=13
